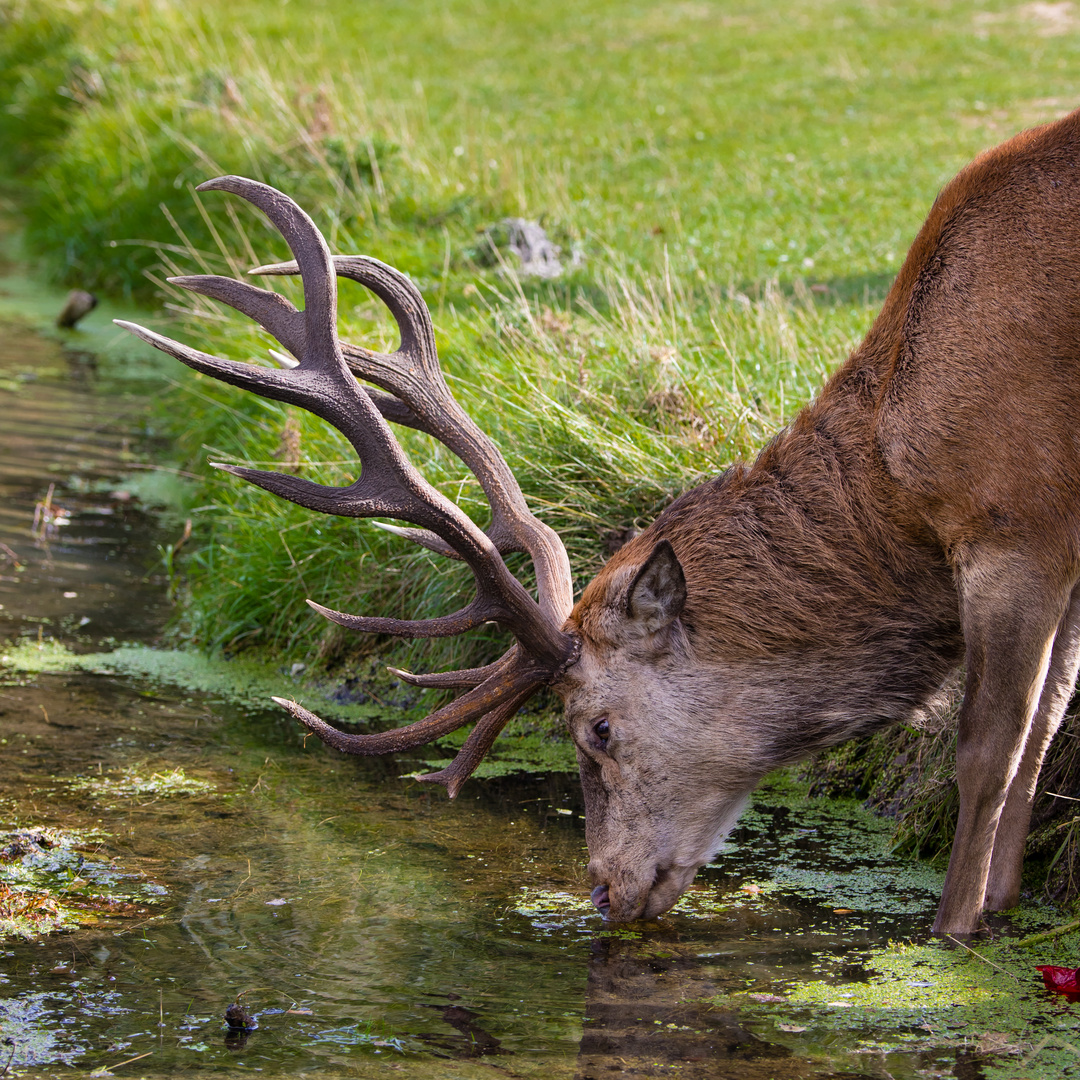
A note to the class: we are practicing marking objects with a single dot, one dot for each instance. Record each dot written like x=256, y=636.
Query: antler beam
x=324, y=382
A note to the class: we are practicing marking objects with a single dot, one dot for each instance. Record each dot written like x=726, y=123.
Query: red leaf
x=1059, y=979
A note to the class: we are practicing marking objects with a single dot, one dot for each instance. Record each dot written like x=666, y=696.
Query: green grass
x=744, y=142
x=742, y=182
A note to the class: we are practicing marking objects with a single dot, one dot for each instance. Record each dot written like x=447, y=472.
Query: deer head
x=640, y=705
x=620, y=659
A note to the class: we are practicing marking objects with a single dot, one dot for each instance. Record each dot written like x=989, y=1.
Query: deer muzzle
x=622, y=897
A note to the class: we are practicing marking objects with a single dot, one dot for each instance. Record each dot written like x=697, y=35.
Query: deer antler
x=389, y=486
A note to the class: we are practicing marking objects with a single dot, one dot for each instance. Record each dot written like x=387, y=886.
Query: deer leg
x=1010, y=614
x=1003, y=884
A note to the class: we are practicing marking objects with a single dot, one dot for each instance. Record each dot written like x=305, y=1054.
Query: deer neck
x=812, y=561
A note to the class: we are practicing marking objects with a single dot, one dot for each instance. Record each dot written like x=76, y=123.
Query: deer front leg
x=1006, y=866
x=1011, y=615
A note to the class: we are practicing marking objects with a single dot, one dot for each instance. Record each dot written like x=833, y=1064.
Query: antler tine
x=514, y=684
x=420, y=536
x=480, y=611
x=412, y=374
x=475, y=748
x=309, y=250
x=462, y=679
x=268, y=309
x=388, y=485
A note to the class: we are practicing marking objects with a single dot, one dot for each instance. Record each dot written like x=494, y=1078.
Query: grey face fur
x=661, y=792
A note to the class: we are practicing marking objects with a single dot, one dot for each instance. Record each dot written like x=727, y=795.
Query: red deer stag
x=922, y=513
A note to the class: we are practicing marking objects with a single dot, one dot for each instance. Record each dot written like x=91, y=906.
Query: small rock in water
x=239, y=1019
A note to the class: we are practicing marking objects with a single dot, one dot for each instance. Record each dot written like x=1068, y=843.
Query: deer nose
x=601, y=899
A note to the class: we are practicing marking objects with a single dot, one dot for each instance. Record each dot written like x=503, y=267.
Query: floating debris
x=237, y=1018
x=1061, y=980
x=131, y=785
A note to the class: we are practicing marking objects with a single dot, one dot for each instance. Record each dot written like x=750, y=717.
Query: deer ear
x=657, y=594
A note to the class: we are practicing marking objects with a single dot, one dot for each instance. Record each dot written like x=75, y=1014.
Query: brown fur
x=922, y=512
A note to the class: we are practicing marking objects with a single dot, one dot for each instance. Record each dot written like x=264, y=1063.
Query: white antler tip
x=283, y=360
x=397, y=530
x=290, y=267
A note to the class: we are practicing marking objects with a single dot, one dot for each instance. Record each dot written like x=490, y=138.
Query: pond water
x=202, y=856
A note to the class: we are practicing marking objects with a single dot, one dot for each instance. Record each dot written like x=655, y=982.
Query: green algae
x=545, y=906
x=530, y=743
x=862, y=873
x=239, y=681
x=935, y=998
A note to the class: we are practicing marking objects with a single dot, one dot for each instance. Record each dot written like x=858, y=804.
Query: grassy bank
x=739, y=189
x=737, y=186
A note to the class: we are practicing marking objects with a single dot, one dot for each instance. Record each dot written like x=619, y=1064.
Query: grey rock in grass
x=528, y=241
x=537, y=255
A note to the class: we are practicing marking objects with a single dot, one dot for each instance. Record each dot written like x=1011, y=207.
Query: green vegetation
x=740, y=186
x=934, y=1000
x=60, y=879
x=530, y=744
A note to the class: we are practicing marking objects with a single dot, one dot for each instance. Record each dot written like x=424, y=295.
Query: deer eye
x=602, y=729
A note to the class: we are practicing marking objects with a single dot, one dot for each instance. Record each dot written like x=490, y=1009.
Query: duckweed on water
x=797, y=829
x=932, y=998
x=528, y=744
x=239, y=682
x=544, y=906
